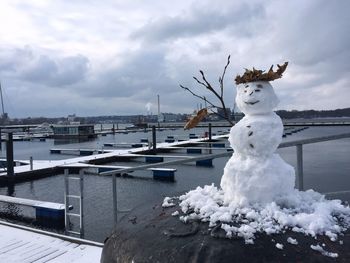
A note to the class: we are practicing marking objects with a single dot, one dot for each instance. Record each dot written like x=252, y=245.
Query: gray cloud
x=34, y=66
x=140, y=73
x=201, y=19
x=120, y=60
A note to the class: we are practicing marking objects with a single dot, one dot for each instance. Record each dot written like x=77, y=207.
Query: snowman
x=255, y=174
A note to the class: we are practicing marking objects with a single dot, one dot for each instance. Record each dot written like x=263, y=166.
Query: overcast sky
x=111, y=57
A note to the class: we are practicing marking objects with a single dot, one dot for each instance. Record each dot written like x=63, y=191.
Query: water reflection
x=11, y=210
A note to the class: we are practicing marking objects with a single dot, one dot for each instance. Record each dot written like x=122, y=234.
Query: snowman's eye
x=257, y=90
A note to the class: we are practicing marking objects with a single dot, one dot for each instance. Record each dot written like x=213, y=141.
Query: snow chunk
x=167, y=202
x=292, y=241
x=176, y=213
x=324, y=252
x=279, y=246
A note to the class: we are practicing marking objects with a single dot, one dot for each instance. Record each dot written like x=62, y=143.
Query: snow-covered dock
x=23, y=244
x=44, y=168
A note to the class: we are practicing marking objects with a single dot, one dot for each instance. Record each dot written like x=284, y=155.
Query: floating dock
x=46, y=168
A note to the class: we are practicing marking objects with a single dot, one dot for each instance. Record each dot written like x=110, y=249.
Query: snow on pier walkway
x=23, y=245
x=43, y=165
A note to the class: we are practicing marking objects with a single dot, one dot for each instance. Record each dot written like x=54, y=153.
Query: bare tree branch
x=199, y=96
x=205, y=83
x=221, y=79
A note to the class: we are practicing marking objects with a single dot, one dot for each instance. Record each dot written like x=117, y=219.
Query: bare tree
x=218, y=93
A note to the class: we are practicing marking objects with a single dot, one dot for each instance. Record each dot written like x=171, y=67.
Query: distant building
x=74, y=131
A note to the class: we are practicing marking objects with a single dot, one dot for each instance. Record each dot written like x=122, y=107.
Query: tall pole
x=2, y=101
x=9, y=155
x=158, y=105
x=154, y=139
x=158, y=110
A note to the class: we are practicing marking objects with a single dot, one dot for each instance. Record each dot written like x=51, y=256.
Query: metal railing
x=299, y=147
x=299, y=152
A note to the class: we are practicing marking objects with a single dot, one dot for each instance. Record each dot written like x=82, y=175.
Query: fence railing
x=297, y=143
x=299, y=147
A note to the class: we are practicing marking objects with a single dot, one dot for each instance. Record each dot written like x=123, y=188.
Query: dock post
x=154, y=139
x=101, y=127
x=115, y=204
x=31, y=162
x=0, y=141
x=66, y=201
x=113, y=129
x=81, y=185
x=209, y=131
x=300, y=166
x=9, y=154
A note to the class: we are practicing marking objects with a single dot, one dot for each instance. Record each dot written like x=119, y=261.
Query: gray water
x=326, y=169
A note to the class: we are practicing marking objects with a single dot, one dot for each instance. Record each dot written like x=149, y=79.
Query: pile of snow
x=324, y=252
x=279, y=246
x=302, y=212
x=292, y=241
x=167, y=202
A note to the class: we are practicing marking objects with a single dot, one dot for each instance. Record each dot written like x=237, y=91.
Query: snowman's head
x=256, y=97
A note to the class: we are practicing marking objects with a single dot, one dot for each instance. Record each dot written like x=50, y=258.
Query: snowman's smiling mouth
x=251, y=102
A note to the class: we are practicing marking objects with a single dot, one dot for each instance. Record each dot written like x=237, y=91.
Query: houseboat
x=74, y=131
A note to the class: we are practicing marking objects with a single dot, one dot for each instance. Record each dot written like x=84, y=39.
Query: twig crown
x=259, y=75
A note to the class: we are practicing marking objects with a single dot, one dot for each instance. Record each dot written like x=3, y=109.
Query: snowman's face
x=256, y=97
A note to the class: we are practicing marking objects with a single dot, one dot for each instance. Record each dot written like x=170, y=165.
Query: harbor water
x=326, y=169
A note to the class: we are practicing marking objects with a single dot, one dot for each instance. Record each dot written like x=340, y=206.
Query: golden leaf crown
x=259, y=75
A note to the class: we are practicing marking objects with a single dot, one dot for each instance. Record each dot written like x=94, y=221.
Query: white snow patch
x=292, y=241
x=303, y=212
x=176, y=213
x=324, y=252
x=168, y=202
x=279, y=246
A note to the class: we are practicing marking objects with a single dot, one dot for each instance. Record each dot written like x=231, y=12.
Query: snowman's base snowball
x=256, y=180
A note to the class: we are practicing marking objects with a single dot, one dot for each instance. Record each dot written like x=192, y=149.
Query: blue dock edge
x=219, y=145
x=163, y=174
x=193, y=150
x=86, y=152
x=50, y=217
x=106, y=169
x=137, y=145
x=154, y=159
x=205, y=163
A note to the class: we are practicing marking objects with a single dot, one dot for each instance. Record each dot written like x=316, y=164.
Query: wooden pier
x=24, y=244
